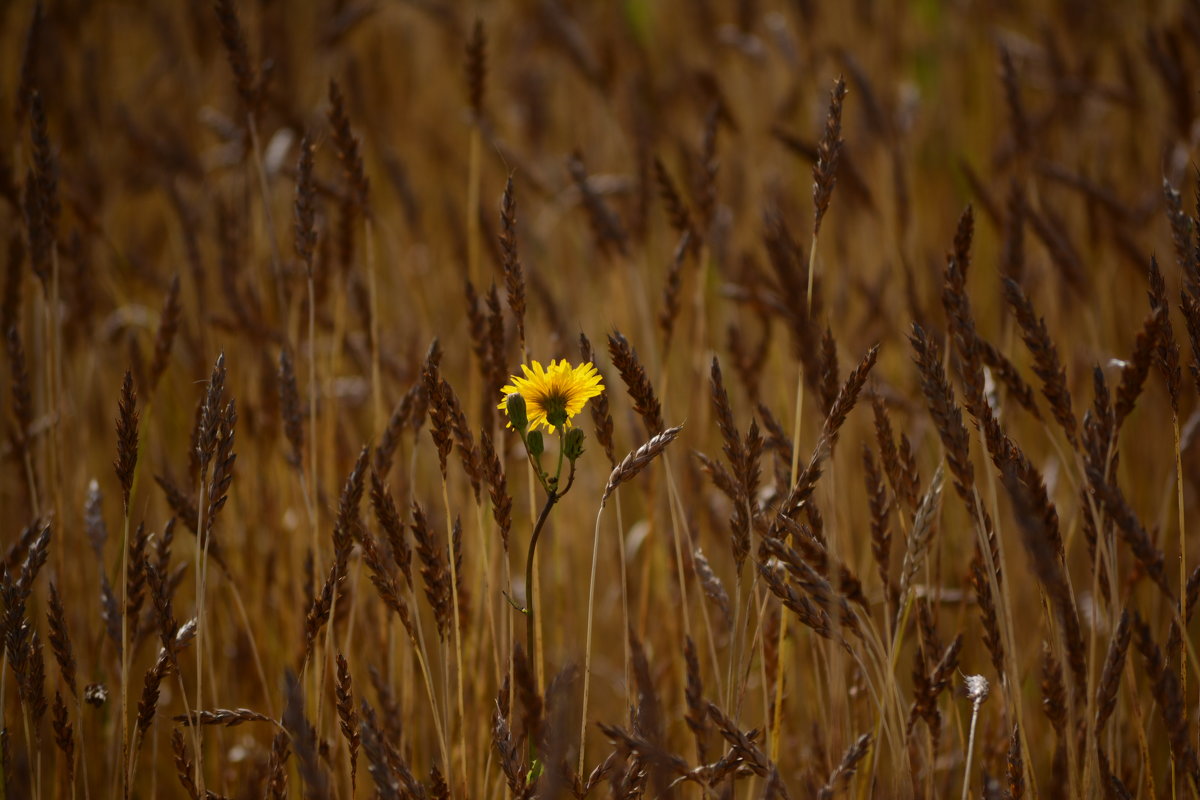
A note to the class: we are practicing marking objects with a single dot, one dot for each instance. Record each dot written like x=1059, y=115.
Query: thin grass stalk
x=795, y=467
x=458, y=659
x=624, y=595
x=125, y=647
x=977, y=692
x=422, y=654
x=474, y=179
x=587, y=650
x=740, y=602
x=238, y=603
x=268, y=215
x=201, y=558
x=54, y=476
x=533, y=590
x=530, y=569
x=1183, y=578
x=485, y=577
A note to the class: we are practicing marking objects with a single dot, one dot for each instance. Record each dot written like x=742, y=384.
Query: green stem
x=551, y=499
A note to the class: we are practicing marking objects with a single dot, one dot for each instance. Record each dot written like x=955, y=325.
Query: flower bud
x=514, y=406
x=534, y=442
x=573, y=443
x=556, y=416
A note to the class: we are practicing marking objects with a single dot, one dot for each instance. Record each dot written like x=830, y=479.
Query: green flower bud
x=573, y=443
x=556, y=415
x=535, y=444
x=515, y=408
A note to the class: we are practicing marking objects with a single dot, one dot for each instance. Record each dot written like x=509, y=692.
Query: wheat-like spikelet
x=514, y=275
x=1166, y=353
x=920, y=535
x=1137, y=368
x=434, y=570
x=234, y=40
x=845, y=769
x=1165, y=688
x=697, y=713
x=476, y=68
x=829, y=152
x=678, y=214
x=347, y=148
x=277, y=776
x=60, y=641
x=497, y=488
x=64, y=736
x=601, y=418
x=1046, y=360
x=637, y=383
x=183, y=764
x=609, y=233
x=164, y=338
x=671, y=291
x=1113, y=501
x=304, y=740
x=881, y=534
x=1110, y=676
x=290, y=409
x=347, y=715
x=637, y=460
x=714, y=590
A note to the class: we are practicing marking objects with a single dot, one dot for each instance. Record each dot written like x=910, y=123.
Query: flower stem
x=551, y=499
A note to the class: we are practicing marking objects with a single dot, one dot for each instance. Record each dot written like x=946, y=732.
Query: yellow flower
x=555, y=394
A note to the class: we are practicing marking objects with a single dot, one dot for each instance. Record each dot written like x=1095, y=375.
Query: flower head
x=555, y=394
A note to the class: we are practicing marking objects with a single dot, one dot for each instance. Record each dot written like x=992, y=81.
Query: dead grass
x=268, y=265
